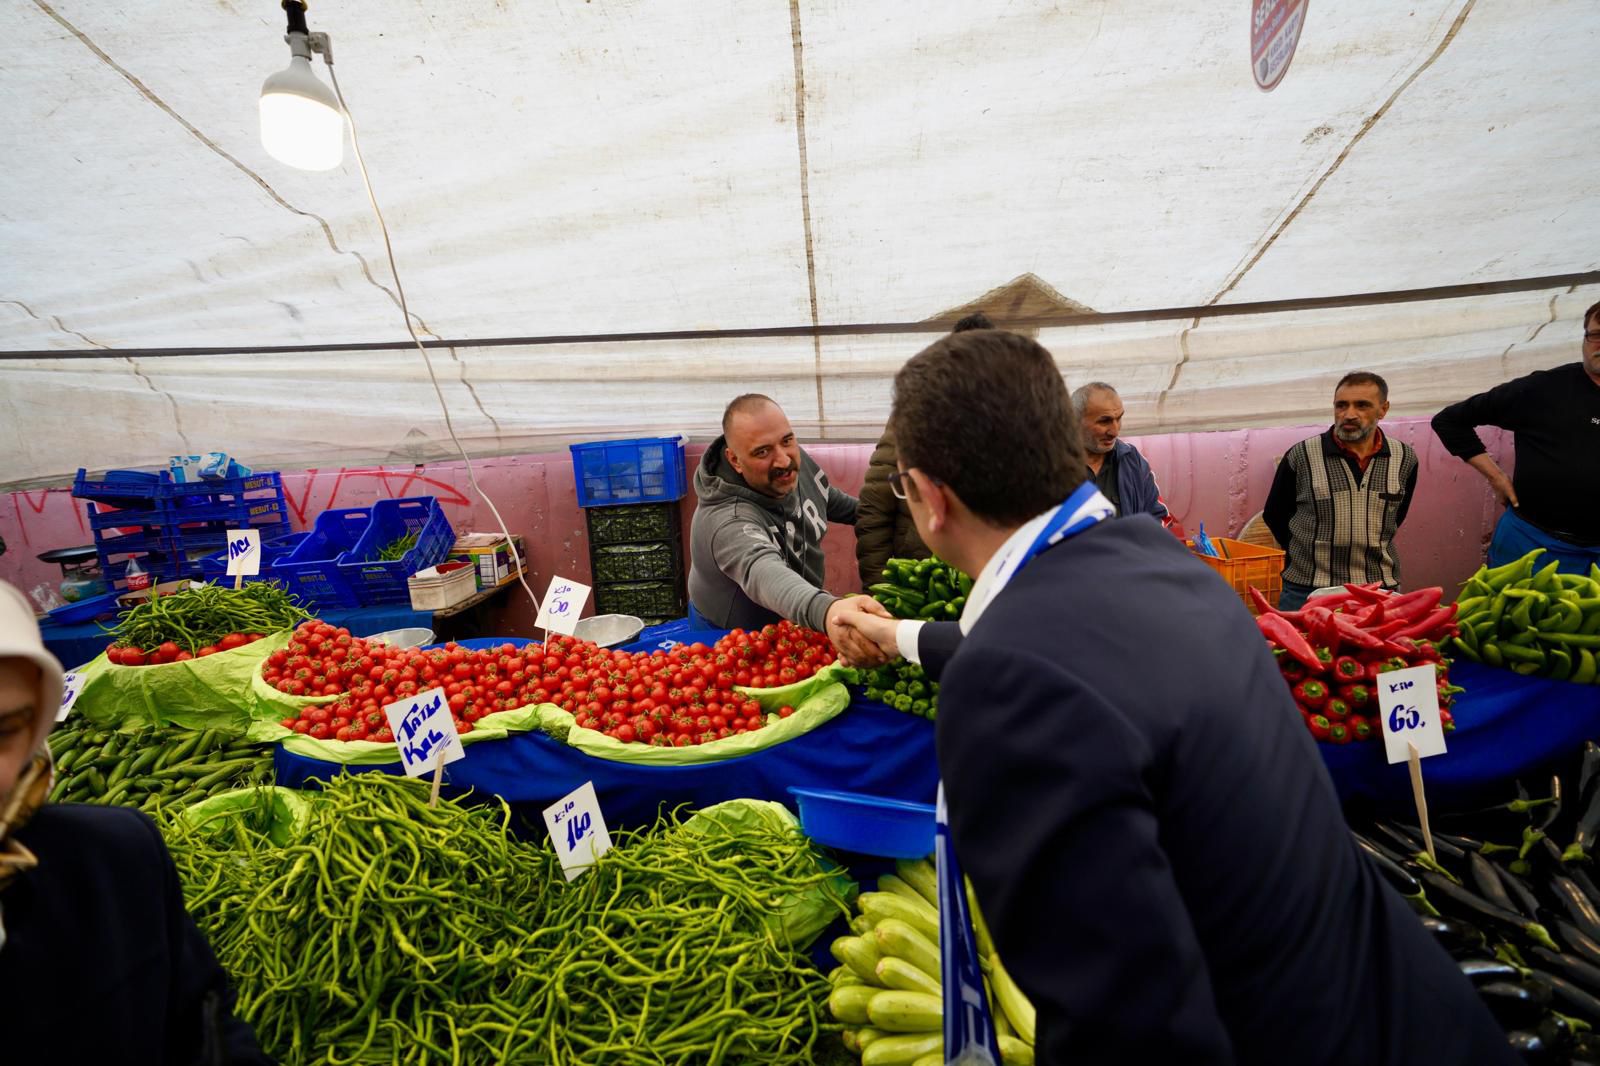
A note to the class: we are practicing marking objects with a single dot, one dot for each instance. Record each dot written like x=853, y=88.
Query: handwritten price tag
x=244, y=552
x=563, y=603
x=577, y=829
x=1408, y=710
x=424, y=732
x=71, y=689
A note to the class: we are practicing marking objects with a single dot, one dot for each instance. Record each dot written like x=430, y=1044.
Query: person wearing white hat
x=99, y=961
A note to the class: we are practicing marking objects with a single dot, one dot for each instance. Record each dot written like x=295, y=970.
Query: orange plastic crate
x=1247, y=566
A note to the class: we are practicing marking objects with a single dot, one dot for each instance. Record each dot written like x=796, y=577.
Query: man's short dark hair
x=986, y=413
x=1365, y=377
x=976, y=320
x=1588, y=316
x=747, y=402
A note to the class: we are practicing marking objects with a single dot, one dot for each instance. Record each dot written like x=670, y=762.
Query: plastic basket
x=210, y=536
x=376, y=581
x=610, y=472
x=1247, y=566
x=102, y=517
x=311, y=570
x=119, y=486
x=649, y=600
x=636, y=562
x=147, y=539
x=86, y=610
x=630, y=524
x=869, y=825
x=228, y=486
x=215, y=567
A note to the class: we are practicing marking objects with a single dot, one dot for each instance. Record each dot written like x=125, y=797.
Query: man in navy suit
x=1153, y=838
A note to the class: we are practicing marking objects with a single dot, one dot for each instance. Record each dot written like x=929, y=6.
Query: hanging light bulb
x=302, y=124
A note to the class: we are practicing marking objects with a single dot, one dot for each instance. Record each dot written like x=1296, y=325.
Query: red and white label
x=1274, y=32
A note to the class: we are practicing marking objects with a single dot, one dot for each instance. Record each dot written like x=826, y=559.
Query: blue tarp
x=78, y=644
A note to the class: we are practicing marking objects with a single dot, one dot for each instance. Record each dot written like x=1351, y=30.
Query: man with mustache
x=756, y=537
x=1122, y=475
x=1338, y=498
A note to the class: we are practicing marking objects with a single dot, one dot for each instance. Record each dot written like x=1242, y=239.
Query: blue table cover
x=78, y=644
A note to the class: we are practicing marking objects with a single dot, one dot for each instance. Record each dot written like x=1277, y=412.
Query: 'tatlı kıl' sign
x=424, y=732
x=1275, y=27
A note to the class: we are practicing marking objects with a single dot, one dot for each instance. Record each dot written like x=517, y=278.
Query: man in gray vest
x=1338, y=498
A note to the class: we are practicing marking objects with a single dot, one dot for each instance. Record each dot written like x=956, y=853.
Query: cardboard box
x=490, y=556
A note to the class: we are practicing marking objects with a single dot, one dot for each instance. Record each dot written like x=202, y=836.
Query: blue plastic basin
x=869, y=825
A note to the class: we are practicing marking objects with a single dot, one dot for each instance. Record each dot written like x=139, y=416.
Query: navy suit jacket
x=1155, y=842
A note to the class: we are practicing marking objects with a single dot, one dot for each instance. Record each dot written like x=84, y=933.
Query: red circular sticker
x=1274, y=31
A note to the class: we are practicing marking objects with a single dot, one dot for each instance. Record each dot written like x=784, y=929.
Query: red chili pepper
x=1340, y=733
x=1336, y=708
x=1354, y=634
x=1373, y=593
x=1356, y=696
x=1413, y=605
x=1265, y=606
x=1369, y=617
x=1319, y=726
x=1282, y=633
x=1292, y=669
x=1311, y=692
x=1430, y=625
x=1383, y=666
x=1361, y=728
x=1348, y=668
x=1320, y=628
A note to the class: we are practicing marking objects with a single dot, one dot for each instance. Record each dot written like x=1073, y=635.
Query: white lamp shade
x=301, y=123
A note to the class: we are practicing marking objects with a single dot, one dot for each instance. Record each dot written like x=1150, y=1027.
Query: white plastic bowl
x=609, y=630
x=414, y=637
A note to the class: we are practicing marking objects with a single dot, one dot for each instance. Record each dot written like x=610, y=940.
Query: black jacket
x=1155, y=841
x=102, y=964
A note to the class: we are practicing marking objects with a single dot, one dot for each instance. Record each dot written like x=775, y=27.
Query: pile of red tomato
x=675, y=698
x=170, y=652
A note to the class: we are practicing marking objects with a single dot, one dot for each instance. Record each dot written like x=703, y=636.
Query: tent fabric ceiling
x=581, y=169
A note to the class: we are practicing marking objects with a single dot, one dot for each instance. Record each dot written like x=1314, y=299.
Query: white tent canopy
x=591, y=171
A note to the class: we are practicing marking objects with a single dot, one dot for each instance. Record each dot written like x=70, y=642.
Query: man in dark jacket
x=1152, y=836
x=99, y=961
x=1553, y=501
x=884, y=529
x=1116, y=467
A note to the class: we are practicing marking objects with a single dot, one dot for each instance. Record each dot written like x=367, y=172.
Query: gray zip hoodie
x=754, y=559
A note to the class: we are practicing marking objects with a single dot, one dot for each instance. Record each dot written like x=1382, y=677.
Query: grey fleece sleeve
x=842, y=506
x=745, y=553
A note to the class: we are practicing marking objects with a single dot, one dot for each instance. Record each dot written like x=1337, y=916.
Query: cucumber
x=896, y=938
x=861, y=954
x=1014, y=1052
x=848, y=1003
x=146, y=760
x=906, y=1012
x=892, y=884
x=865, y=1037
x=881, y=905
x=934, y=1059
x=921, y=876
x=96, y=783
x=902, y=1050
x=861, y=925
x=900, y=974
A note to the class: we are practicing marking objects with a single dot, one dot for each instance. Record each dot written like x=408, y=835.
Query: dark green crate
x=662, y=561
x=650, y=600
x=633, y=523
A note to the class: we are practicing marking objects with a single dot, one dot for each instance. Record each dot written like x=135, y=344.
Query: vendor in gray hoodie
x=756, y=538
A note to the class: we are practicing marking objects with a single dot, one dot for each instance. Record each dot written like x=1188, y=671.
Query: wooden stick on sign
x=238, y=580
x=1421, y=801
x=438, y=776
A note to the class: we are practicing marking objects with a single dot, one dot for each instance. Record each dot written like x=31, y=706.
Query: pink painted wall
x=1219, y=478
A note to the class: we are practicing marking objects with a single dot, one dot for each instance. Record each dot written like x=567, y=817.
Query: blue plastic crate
x=228, y=486
x=86, y=610
x=119, y=486
x=870, y=825
x=215, y=567
x=641, y=470
x=311, y=570
x=101, y=517
x=239, y=511
x=212, y=536
x=376, y=581
x=147, y=539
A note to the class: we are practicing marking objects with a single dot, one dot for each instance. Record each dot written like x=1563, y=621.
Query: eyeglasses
x=897, y=483
x=1591, y=335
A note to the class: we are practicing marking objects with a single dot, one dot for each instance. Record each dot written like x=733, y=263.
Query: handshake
x=863, y=631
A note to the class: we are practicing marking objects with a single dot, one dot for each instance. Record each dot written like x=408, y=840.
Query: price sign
x=71, y=688
x=577, y=829
x=1408, y=710
x=563, y=603
x=244, y=552
x=424, y=732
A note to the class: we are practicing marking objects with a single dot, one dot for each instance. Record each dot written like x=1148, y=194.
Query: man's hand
x=879, y=627
x=844, y=621
x=1496, y=477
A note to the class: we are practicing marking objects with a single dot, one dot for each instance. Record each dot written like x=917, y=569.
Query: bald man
x=756, y=538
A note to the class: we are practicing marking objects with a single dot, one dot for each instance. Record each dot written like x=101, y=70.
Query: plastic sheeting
x=590, y=170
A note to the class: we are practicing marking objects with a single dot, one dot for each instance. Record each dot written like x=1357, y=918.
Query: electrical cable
x=405, y=311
